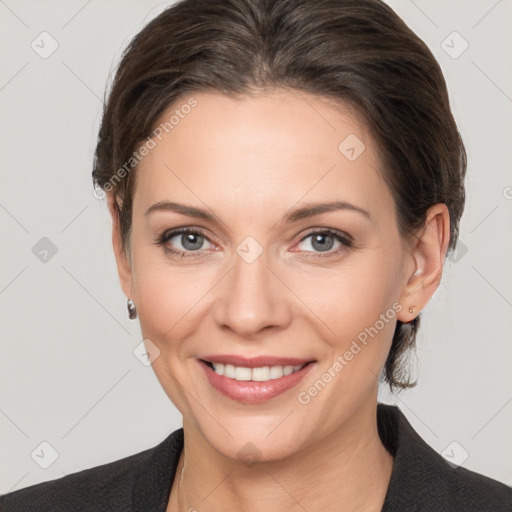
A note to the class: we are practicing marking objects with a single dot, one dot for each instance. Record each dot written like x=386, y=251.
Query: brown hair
x=356, y=52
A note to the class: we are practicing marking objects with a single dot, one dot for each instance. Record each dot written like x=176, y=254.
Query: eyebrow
x=190, y=211
x=293, y=215
x=316, y=209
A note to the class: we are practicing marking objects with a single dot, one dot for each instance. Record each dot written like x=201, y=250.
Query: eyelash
x=343, y=238
x=167, y=235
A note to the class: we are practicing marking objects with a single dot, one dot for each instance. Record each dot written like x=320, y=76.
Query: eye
x=184, y=241
x=325, y=241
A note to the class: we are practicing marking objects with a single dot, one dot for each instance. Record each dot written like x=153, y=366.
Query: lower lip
x=251, y=391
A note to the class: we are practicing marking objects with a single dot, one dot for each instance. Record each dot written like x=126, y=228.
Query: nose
x=252, y=299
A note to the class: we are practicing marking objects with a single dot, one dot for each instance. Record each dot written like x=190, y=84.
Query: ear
x=122, y=257
x=428, y=251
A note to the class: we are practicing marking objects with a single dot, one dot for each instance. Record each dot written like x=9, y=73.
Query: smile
x=253, y=384
x=260, y=374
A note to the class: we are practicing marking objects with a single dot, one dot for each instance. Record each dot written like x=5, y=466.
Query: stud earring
x=418, y=272
x=132, y=310
x=411, y=309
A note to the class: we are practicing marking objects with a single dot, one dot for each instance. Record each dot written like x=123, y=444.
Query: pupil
x=191, y=241
x=321, y=240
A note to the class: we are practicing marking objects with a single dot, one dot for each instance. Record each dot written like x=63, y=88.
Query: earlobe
x=428, y=252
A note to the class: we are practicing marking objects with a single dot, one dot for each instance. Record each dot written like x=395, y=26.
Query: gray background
x=68, y=374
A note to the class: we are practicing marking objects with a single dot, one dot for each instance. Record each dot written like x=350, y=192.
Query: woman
x=285, y=180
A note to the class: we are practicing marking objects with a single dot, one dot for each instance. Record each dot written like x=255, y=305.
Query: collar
x=420, y=476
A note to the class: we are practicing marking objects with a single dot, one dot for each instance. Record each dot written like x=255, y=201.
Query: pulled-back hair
x=356, y=52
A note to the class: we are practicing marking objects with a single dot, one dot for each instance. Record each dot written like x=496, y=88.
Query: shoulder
x=423, y=481
x=105, y=487
x=108, y=487
x=477, y=492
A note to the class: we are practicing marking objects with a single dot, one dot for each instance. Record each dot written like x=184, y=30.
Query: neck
x=348, y=471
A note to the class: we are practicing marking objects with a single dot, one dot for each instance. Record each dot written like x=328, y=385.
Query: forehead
x=273, y=148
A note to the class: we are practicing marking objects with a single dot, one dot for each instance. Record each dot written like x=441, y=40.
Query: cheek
x=354, y=304
x=167, y=296
x=350, y=294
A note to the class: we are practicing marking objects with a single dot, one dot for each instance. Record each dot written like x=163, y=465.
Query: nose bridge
x=250, y=302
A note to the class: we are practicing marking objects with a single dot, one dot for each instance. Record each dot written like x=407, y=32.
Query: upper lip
x=255, y=362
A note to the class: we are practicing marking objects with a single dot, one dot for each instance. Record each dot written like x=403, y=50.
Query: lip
x=253, y=391
x=255, y=362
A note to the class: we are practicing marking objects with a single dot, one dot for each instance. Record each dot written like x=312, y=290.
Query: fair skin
x=249, y=161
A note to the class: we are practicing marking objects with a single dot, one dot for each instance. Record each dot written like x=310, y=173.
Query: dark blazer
x=421, y=480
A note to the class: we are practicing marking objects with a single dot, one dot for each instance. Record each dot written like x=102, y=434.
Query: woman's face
x=260, y=278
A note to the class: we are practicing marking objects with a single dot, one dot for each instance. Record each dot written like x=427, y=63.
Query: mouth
x=253, y=384
x=255, y=374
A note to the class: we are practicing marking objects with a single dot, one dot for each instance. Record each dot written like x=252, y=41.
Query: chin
x=257, y=451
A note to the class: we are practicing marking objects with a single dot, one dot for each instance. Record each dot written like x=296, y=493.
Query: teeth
x=242, y=373
x=229, y=371
x=290, y=369
x=261, y=374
